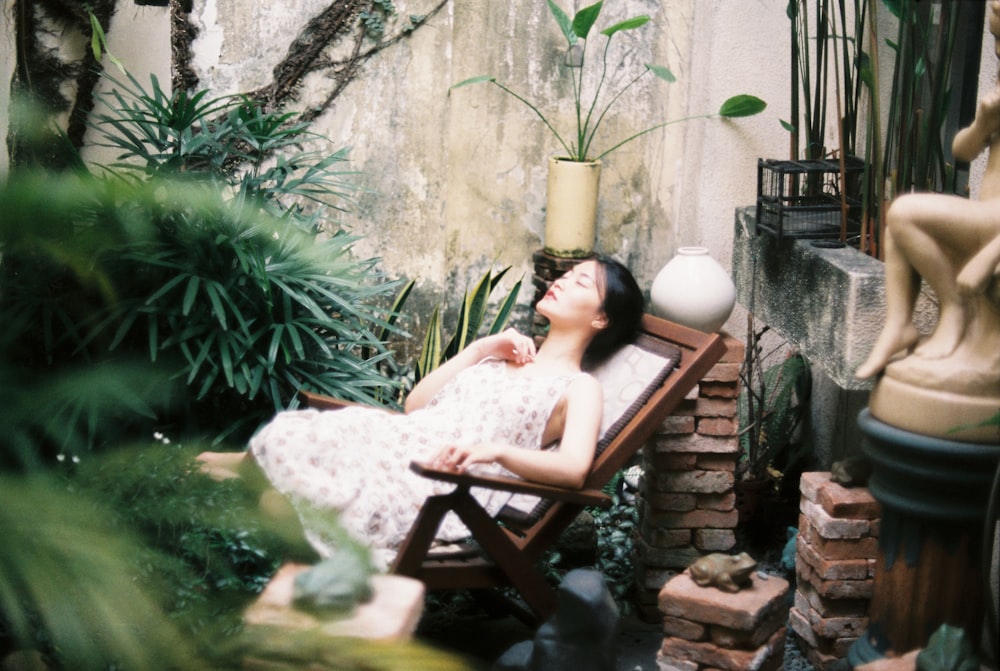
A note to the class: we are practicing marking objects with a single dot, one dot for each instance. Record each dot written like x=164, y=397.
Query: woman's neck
x=562, y=350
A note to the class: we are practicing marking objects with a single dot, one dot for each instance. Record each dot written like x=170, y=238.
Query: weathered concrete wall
x=456, y=180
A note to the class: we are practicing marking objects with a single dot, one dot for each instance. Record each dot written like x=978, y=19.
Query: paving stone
x=744, y=610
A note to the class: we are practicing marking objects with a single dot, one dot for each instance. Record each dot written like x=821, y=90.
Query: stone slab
x=391, y=615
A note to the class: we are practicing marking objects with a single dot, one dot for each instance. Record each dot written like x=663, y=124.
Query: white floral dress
x=349, y=469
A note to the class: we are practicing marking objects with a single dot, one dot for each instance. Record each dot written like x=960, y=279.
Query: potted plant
x=574, y=176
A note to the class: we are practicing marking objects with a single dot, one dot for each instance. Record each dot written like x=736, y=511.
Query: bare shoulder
x=585, y=387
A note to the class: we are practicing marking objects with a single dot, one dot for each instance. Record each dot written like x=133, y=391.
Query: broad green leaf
x=627, y=24
x=473, y=80
x=787, y=126
x=660, y=71
x=565, y=25
x=895, y=7
x=585, y=19
x=742, y=106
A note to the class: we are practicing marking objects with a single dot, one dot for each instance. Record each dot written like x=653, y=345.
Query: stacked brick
x=708, y=629
x=687, y=503
x=835, y=565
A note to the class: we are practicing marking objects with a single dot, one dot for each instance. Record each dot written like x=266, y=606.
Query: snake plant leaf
x=565, y=25
x=473, y=80
x=627, y=24
x=742, y=105
x=662, y=72
x=585, y=19
x=503, y=313
x=430, y=355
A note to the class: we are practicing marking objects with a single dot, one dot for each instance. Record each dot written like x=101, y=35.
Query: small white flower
x=157, y=435
x=275, y=235
x=61, y=457
x=76, y=459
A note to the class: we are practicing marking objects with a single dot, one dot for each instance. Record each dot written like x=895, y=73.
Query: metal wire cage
x=802, y=199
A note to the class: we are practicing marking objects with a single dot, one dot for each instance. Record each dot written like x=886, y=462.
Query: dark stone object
x=580, y=636
x=853, y=471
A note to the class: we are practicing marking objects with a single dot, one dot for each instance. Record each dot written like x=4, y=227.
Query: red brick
x=833, y=527
x=696, y=443
x=806, y=597
x=800, y=625
x=695, y=519
x=846, y=548
x=719, y=390
x=832, y=569
x=848, y=502
x=718, y=426
x=714, y=540
x=668, y=538
x=677, y=425
x=694, y=482
x=708, y=407
x=711, y=655
x=723, y=372
x=672, y=501
x=673, y=461
x=748, y=640
x=834, y=589
x=670, y=558
x=717, y=462
x=809, y=484
x=724, y=502
x=686, y=629
x=744, y=610
x=735, y=351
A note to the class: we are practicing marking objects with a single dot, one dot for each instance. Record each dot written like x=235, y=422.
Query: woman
x=492, y=406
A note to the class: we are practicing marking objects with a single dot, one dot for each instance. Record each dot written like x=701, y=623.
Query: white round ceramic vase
x=693, y=290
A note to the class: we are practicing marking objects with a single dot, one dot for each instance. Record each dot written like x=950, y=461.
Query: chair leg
x=415, y=547
x=521, y=572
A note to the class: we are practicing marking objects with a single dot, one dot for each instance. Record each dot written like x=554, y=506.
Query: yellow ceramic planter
x=571, y=217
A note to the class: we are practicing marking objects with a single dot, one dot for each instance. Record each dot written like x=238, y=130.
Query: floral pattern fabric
x=349, y=469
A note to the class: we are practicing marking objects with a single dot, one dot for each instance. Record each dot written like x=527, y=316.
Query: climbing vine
x=43, y=73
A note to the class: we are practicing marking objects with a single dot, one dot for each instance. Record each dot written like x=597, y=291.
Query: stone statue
x=729, y=573
x=947, y=384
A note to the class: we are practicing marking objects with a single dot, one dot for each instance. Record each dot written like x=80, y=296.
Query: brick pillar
x=835, y=564
x=686, y=500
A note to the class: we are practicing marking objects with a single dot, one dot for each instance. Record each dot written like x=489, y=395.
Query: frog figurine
x=729, y=573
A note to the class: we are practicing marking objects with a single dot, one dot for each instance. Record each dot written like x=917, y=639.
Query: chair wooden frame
x=508, y=557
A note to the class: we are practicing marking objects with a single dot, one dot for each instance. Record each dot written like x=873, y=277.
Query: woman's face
x=576, y=297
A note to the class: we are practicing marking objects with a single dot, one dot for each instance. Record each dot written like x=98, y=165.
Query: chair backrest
x=628, y=379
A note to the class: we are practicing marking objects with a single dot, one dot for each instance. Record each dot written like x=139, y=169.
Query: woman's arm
x=567, y=466
x=509, y=345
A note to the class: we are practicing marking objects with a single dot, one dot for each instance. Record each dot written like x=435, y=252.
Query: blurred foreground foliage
x=148, y=315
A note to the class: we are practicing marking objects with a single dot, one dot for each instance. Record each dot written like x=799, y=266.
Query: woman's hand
x=458, y=458
x=511, y=345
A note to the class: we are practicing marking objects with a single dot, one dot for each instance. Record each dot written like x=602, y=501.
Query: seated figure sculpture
x=948, y=382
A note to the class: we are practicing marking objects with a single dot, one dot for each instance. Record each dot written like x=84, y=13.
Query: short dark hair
x=622, y=304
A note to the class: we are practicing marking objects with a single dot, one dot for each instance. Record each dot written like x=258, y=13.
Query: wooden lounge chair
x=649, y=379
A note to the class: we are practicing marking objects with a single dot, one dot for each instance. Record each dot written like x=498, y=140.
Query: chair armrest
x=320, y=402
x=586, y=497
